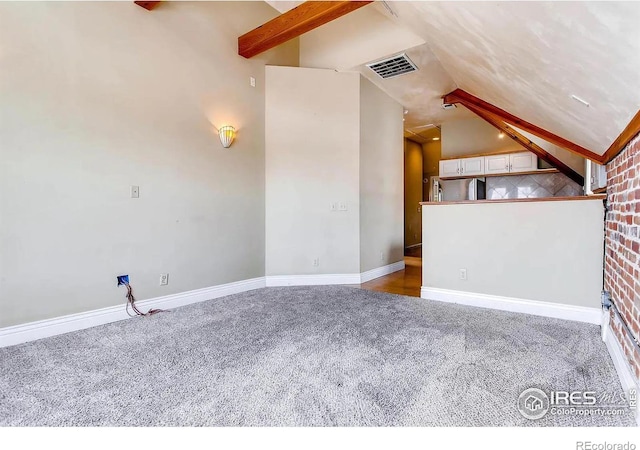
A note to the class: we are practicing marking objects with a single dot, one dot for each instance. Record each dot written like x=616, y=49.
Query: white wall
x=336, y=138
x=98, y=96
x=475, y=135
x=312, y=151
x=381, y=178
x=546, y=251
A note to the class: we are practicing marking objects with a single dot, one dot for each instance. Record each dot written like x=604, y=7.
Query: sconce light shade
x=227, y=135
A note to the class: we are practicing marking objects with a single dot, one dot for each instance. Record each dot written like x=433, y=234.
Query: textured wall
x=312, y=160
x=98, y=96
x=547, y=251
x=331, y=137
x=381, y=187
x=622, y=269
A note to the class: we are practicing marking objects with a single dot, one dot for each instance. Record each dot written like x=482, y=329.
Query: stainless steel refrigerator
x=457, y=190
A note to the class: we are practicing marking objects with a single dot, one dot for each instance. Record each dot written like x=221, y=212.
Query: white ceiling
x=527, y=58
x=283, y=6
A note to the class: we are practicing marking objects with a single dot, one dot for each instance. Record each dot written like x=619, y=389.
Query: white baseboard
x=331, y=279
x=625, y=375
x=381, y=271
x=31, y=331
x=519, y=305
x=74, y=322
x=312, y=280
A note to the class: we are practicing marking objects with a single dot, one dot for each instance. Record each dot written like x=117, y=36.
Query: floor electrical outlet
x=164, y=279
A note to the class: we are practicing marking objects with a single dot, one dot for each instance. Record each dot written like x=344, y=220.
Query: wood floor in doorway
x=403, y=282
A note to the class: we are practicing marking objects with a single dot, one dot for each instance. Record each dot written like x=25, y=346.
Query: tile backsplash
x=532, y=186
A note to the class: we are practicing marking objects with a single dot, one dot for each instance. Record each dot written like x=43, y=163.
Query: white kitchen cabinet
x=472, y=166
x=450, y=168
x=489, y=165
x=496, y=164
x=510, y=163
x=523, y=162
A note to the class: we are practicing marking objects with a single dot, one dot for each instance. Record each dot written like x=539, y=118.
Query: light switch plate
x=135, y=191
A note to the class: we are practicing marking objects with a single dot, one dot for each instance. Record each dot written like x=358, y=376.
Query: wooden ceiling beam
x=149, y=6
x=468, y=100
x=293, y=23
x=631, y=131
x=497, y=122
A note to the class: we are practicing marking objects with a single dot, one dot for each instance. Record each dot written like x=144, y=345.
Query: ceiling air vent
x=392, y=67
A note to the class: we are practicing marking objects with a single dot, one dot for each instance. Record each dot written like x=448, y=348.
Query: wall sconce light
x=501, y=134
x=227, y=135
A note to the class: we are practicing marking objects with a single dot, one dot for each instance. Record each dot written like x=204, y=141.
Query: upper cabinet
x=496, y=164
x=472, y=166
x=463, y=167
x=523, y=162
x=489, y=165
x=450, y=168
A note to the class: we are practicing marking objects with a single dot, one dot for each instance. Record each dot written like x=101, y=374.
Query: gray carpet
x=305, y=356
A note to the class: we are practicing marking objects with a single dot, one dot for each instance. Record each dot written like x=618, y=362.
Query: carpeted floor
x=306, y=356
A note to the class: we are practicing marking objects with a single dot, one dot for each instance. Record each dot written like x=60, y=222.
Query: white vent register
x=394, y=66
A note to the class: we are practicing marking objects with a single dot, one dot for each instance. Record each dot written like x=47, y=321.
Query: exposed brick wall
x=622, y=256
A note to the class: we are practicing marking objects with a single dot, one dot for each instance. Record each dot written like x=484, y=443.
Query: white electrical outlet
x=316, y=262
x=252, y=81
x=135, y=191
x=164, y=279
x=463, y=274
x=381, y=257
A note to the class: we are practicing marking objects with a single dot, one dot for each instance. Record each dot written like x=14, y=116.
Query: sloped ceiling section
x=369, y=34
x=420, y=92
x=359, y=37
x=282, y=6
x=529, y=58
x=570, y=159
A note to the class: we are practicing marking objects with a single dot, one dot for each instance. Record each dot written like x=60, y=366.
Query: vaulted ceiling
x=527, y=58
